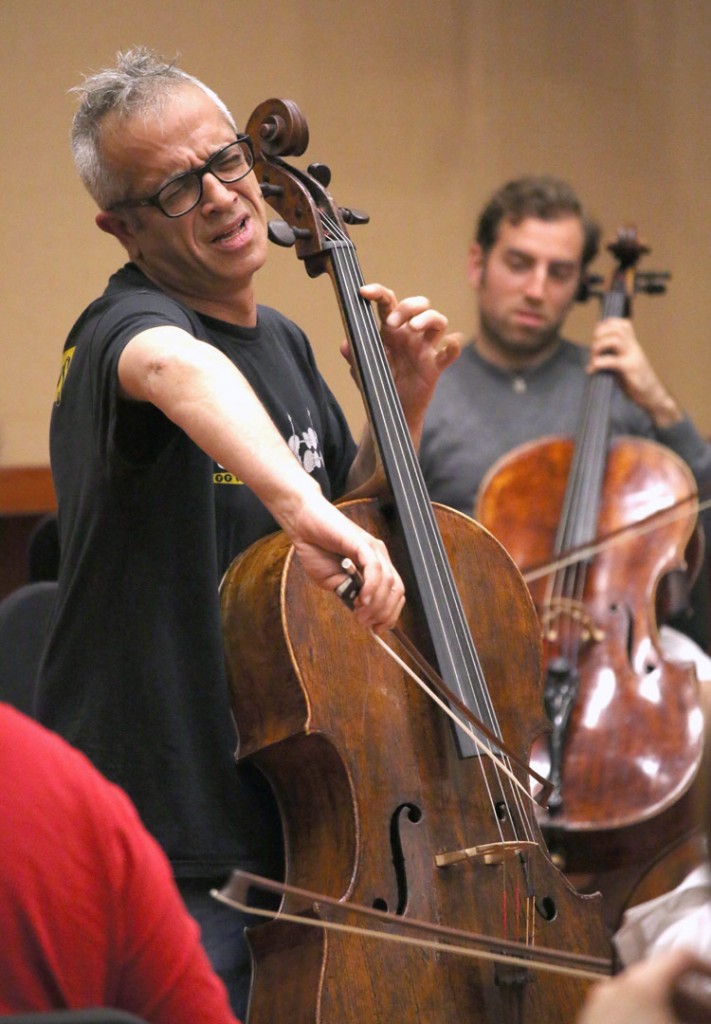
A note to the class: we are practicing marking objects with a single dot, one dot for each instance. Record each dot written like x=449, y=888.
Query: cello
x=385, y=804
x=627, y=724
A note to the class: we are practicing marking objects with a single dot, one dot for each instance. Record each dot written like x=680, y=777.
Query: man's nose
x=536, y=282
x=215, y=193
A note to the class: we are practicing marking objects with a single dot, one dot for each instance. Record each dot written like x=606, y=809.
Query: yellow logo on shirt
x=223, y=477
x=66, y=361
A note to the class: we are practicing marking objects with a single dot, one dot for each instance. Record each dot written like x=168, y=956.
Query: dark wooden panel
x=26, y=494
x=26, y=490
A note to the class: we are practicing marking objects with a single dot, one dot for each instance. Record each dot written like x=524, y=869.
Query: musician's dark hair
x=542, y=196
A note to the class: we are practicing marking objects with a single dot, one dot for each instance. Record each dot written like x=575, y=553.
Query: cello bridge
x=574, y=611
x=489, y=853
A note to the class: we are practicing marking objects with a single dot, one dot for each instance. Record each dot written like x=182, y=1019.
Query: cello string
x=407, y=456
x=565, y=582
x=593, y=452
x=593, y=441
x=504, y=903
x=437, y=555
x=524, y=815
x=457, y=719
x=435, y=683
x=440, y=563
x=580, y=512
x=556, y=586
x=579, y=518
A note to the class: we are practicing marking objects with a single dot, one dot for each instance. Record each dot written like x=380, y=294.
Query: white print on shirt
x=306, y=448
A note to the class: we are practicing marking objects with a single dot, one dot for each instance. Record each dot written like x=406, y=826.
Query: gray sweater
x=480, y=412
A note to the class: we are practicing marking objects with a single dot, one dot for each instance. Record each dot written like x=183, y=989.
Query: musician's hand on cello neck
x=418, y=346
x=615, y=347
x=419, y=349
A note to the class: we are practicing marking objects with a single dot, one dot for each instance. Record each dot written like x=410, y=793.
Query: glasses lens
x=233, y=163
x=180, y=195
x=228, y=165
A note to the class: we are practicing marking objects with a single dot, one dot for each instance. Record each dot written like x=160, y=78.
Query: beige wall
x=421, y=109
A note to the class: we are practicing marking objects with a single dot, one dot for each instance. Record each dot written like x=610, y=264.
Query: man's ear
x=119, y=227
x=475, y=265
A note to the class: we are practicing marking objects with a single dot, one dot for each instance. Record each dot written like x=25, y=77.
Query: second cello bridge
x=489, y=853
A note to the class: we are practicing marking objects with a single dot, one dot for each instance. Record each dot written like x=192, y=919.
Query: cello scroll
x=278, y=129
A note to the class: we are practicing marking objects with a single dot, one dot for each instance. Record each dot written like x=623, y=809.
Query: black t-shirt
x=133, y=672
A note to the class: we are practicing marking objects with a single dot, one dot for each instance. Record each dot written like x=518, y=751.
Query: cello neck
x=436, y=590
x=579, y=518
x=317, y=229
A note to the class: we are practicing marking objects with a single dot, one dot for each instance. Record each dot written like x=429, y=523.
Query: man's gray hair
x=138, y=85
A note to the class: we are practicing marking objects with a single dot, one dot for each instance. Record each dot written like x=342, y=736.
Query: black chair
x=24, y=617
x=99, y=1015
x=43, y=550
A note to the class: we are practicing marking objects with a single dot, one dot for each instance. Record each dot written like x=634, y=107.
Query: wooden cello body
x=627, y=736
x=384, y=802
x=372, y=788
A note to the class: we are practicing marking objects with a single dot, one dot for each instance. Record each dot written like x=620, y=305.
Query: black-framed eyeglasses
x=180, y=195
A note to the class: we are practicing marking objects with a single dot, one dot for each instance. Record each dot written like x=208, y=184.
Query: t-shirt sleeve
x=134, y=431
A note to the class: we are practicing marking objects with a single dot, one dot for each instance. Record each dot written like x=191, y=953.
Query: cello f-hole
x=546, y=907
x=501, y=810
x=413, y=814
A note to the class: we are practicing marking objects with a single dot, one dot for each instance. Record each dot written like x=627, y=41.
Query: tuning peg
x=280, y=233
x=271, y=190
x=321, y=173
x=651, y=282
x=354, y=216
x=283, y=234
x=589, y=286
